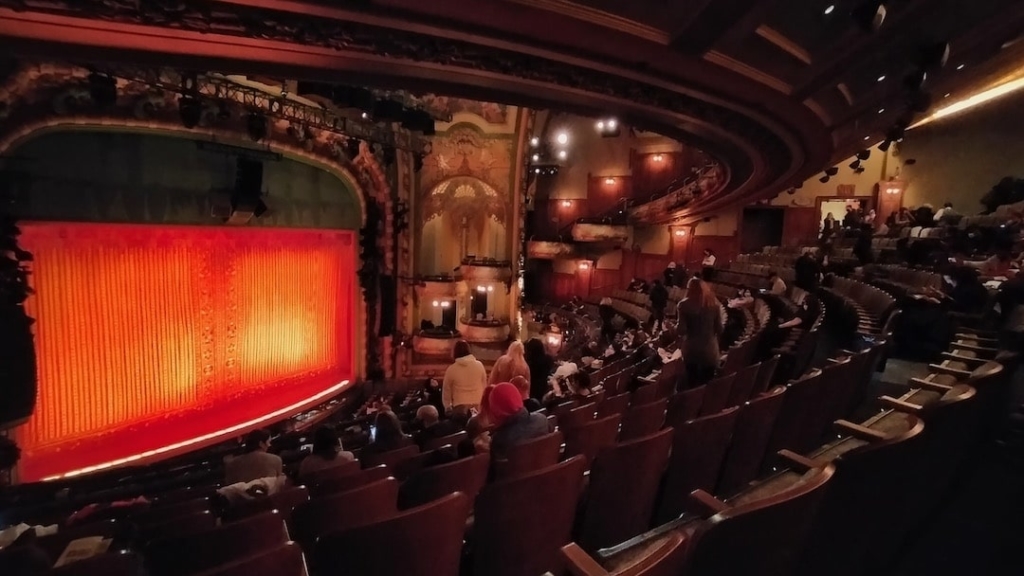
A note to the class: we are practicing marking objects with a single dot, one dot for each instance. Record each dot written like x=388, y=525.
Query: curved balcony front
x=484, y=331
x=476, y=271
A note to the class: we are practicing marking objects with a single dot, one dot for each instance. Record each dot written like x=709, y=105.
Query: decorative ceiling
x=775, y=89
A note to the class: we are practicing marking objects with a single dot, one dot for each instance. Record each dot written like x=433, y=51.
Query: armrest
x=579, y=563
x=704, y=505
x=929, y=385
x=796, y=461
x=974, y=348
x=847, y=352
x=950, y=371
x=899, y=405
x=965, y=359
x=976, y=337
x=858, y=431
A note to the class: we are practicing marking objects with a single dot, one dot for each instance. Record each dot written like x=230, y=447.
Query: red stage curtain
x=151, y=335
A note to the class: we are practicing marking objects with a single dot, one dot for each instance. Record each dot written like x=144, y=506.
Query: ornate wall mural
x=462, y=217
x=491, y=112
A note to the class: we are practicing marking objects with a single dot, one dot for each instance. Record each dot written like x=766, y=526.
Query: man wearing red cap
x=513, y=424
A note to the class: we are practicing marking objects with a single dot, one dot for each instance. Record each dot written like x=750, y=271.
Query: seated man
x=513, y=424
x=255, y=462
x=431, y=426
x=776, y=285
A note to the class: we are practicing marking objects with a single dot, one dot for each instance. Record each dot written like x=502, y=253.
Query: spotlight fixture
x=910, y=161
x=858, y=170
x=884, y=146
x=961, y=67
x=562, y=138
x=855, y=164
x=870, y=15
x=562, y=154
x=535, y=157
x=824, y=179
x=832, y=171
x=830, y=9
x=609, y=181
x=608, y=128
x=191, y=111
x=534, y=142
x=863, y=154
x=256, y=126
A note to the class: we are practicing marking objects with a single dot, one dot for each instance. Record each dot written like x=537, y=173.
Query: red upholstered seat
x=283, y=501
x=743, y=385
x=362, y=505
x=284, y=560
x=590, y=438
x=521, y=523
x=189, y=554
x=468, y=475
x=391, y=457
x=423, y=541
x=750, y=437
x=716, y=397
x=685, y=405
x=613, y=405
x=345, y=483
x=666, y=560
x=643, y=420
x=530, y=456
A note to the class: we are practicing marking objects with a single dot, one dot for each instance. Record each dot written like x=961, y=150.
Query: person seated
x=430, y=426
x=803, y=315
x=743, y=298
x=513, y=424
x=254, y=463
x=523, y=385
x=385, y=436
x=946, y=213
x=327, y=453
x=775, y=284
x=478, y=438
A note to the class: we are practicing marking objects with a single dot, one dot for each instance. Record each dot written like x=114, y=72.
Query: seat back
x=800, y=400
x=743, y=385
x=177, y=526
x=362, y=505
x=422, y=541
x=576, y=417
x=468, y=476
x=346, y=483
x=717, y=394
x=521, y=523
x=589, y=439
x=109, y=564
x=643, y=420
x=391, y=457
x=644, y=395
x=216, y=546
x=449, y=440
x=685, y=405
x=624, y=481
x=285, y=560
x=328, y=474
x=765, y=375
x=762, y=537
x=617, y=404
x=754, y=423
x=698, y=450
x=533, y=455
x=667, y=559
x=283, y=501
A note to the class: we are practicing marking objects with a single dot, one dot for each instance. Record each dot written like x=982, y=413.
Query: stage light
x=658, y=158
x=256, y=126
x=562, y=138
x=863, y=154
x=858, y=170
x=609, y=181
x=960, y=67
x=534, y=141
x=830, y=9
x=680, y=232
x=884, y=146
x=855, y=164
x=562, y=154
x=823, y=179
x=566, y=203
x=190, y=110
x=832, y=170
x=881, y=78
x=881, y=110
x=866, y=138
x=536, y=157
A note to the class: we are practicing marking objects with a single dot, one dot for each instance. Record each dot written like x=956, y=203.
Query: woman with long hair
x=700, y=325
x=387, y=435
x=511, y=364
x=327, y=452
x=541, y=366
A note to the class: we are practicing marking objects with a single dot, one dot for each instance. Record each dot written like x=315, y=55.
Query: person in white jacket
x=464, y=381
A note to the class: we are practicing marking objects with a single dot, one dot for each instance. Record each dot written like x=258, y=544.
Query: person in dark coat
x=541, y=366
x=700, y=325
x=513, y=424
x=806, y=270
x=670, y=274
x=659, y=299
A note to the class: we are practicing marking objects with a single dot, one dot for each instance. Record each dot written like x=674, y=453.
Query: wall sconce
x=481, y=289
x=609, y=181
x=658, y=158
x=446, y=304
x=892, y=190
x=584, y=265
x=490, y=288
x=680, y=233
x=436, y=303
x=566, y=203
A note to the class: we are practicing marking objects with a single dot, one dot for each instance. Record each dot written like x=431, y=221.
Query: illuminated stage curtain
x=150, y=335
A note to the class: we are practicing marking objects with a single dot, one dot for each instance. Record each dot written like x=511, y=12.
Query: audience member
x=903, y=217
x=464, y=380
x=945, y=212
x=387, y=435
x=828, y=226
x=807, y=271
x=513, y=424
x=327, y=453
x=659, y=299
x=708, y=265
x=743, y=298
x=670, y=274
x=429, y=425
x=775, y=284
x=523, y=385
x=255, y=462
x=541, y=366
x=607, y=312
x=700, y=324
x=510, y=364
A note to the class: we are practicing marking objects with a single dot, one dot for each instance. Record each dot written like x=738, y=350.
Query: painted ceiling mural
x=491, y=112
x=465, y=151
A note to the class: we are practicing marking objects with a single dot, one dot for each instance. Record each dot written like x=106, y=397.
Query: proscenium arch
x=10, y=143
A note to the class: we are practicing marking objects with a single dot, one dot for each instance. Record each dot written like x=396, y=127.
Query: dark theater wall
x=126, y=177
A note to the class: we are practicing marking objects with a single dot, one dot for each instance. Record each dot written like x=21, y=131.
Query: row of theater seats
x=646, y=451
x=847, y=506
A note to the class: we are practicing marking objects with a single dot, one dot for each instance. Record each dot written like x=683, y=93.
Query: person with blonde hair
x=700, y=325
x=509, y=365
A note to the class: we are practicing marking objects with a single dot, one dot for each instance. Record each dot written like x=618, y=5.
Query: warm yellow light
x=566, y=203
x=609, y=181
x=975, y=100
x=584, y=265
x=680, y=232
x=658, y=157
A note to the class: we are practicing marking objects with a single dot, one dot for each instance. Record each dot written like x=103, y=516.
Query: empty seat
x=666, y=559
x=285, y=560
x=361, y=505
x=716, y=396
x=589, y=439
x=209, y=548
x=754, y=423
x=521, y=523
x=468, y=476
x=422, y=541
x=529, y=456
x=391, y=457
x=345, y=483
x=643, y=420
